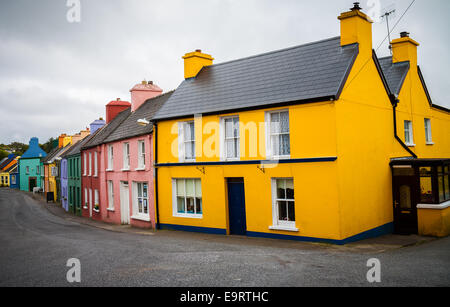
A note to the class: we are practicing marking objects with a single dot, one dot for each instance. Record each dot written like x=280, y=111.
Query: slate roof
x=130, y=128
x=76, y=148
x=11, y=169
x=55, y=153
x=307, y=72
x=106, y=130
x=395, y=73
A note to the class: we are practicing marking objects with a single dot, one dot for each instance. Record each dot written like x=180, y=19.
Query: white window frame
x=95, y=164
x=428, y=134
x=90, y=164
x=110, y=158
x=269, y=152
x=96, y=201
x=277, y=223
x=85, y=165
x=86, y=198
x=110, y=195
x=182, y=142
x=175, y=202
x=224, y=138
x=126, y=157
x=408, y=128
x=138, y=186
x=141, y=155
x=27, y=170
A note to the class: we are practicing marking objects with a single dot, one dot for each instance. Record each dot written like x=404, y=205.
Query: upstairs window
x=110, y=157
x=278, y=135
x=428, y=136
x=126, y=156
x=186, y=141
x=95, y=165
x=85, y=164
x=141, y=154
x=230, y=138
x=409, y=140
x=90, y=164
x=28, y=170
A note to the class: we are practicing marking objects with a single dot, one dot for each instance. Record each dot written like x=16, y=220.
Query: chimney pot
x=198, y=50
x=404, y=34
x=150, y=82
x=144, y=82
x=356, y=7
x=118, y=99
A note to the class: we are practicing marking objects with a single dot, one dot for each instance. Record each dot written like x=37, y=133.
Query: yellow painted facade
x=334, y=200
x=4, y=180
x=434, y=222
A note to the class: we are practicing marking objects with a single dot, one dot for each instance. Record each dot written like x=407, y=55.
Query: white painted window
x=13, y=179
x=28, y=170
x=110, y=195
x=187, y=198
x=86, y=197
x=186, y=141
x=278, y=144
x=409, y=139
x=283, y=204
x=141, y=154
x=96, y=199
x=126, y=156
x=95, y=165
x=85, y=164
x=428, y=136
x=90, y=164
x=110, y=157
x=140, y=200
x=230, y=140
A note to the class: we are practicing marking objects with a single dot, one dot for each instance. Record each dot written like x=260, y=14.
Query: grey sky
x=56, y=76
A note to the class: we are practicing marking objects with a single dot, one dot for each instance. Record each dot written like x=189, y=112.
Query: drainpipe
x=155, y=161
x=395, y=101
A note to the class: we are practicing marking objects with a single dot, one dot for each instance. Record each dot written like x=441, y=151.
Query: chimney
x=356, y=27
x=405, y=49
x=114, y=108
x=97, y=124
x=85, y=133
x=142, y=92
x=61, y=140
x=194, y=62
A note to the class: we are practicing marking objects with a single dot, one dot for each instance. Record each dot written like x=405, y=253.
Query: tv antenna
x=388, y=12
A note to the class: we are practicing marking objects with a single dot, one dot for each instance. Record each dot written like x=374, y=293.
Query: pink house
x=126, y=175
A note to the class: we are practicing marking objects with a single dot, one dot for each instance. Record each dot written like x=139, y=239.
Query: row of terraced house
x=320, y=142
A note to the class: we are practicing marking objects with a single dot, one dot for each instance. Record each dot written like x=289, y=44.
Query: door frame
x=405, y=220
x=124, y=202
x=228, y=181
x=29, y=182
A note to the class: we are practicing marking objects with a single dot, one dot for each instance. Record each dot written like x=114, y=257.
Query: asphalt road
x=35, y=246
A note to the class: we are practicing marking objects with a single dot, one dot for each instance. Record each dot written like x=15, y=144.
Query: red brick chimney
x=115, y=107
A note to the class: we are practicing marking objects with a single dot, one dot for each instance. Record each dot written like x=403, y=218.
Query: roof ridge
x=274, y=51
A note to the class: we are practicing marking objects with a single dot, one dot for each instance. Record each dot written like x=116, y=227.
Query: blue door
x=236, y=206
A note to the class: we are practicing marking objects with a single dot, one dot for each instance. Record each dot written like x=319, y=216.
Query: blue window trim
x=252, y=162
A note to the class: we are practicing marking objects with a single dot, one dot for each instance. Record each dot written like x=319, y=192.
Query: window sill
x=85, y=208
x=411, y=145
x=110, y=170
x=284, y=228
x=276, y=158
x=125, y=169
x=141, y=218
x=95, y=210
x=110, y=210
x=434, y=207
x=429, y=143
x=139, y=169
x=189, y=216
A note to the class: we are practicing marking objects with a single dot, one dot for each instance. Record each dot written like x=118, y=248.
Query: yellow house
x=302, y=143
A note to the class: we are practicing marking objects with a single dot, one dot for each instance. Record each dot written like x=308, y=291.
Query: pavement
x=373, y=245
x=37, y=240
